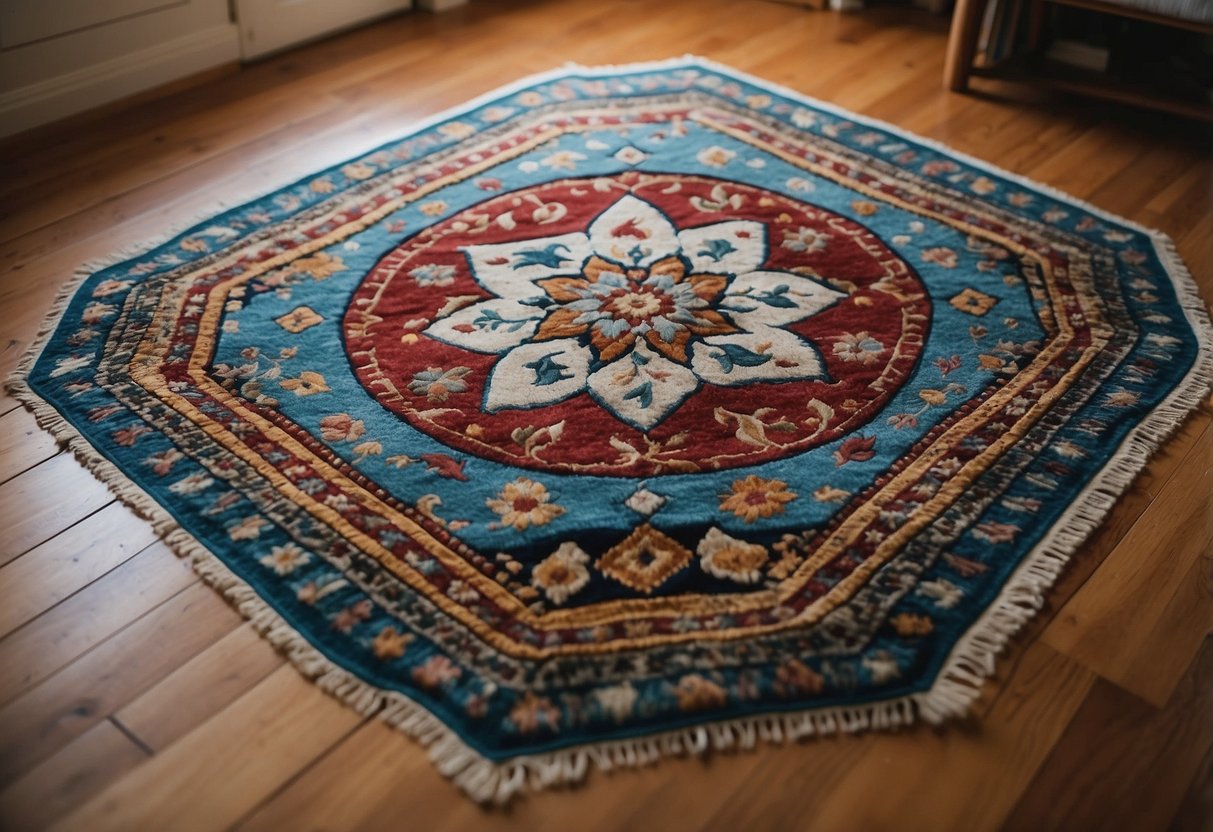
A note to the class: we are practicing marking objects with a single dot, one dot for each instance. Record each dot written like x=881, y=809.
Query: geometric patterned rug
x=632, y=411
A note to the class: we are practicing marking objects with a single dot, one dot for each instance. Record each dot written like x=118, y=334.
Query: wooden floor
x=132, y=697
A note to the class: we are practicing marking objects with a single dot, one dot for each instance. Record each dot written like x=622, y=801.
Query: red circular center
x=868, y=341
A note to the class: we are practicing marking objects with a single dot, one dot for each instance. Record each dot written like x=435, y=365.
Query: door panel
x=26, y=21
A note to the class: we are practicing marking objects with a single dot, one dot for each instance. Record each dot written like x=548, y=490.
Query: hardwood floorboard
x=22, y=443
x=49, y=716
x=223, y=768
x=1123, y=758
x=67, y=779
x=133, y=697
x=69, y=630
x=200, y=688
x=1195, y=812
x=69, y=562
x=29, y=513
x=987, y=769
x=1113, y=627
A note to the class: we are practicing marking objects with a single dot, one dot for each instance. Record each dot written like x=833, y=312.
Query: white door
x=269, y=25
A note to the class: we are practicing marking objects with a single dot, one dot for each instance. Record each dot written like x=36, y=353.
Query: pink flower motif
x=993, y=532
x=942, y=255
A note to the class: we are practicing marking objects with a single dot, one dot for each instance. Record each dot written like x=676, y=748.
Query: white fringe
x=959, y=683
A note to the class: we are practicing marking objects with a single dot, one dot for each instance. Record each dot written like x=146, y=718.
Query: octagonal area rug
x=632, y=411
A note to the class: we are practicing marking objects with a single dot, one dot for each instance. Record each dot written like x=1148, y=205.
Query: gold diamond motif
x=974, y=302
x=299, y=319
x=644, y=560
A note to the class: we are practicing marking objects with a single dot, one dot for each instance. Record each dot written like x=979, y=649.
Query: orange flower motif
x=435, y=671
x=389, y=644
x=308, y=384
x=909, y=625
x=533, y=712
x=695, y=693
x=627, y=300
x=795, y=677
x=320, y=266
x=524, y=503
x=753, y=498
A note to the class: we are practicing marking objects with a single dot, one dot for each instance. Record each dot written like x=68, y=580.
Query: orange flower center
x=525, y=504
x=636, y=304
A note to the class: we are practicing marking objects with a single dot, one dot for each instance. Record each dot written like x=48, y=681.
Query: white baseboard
x=439, y=5
x=83, y=89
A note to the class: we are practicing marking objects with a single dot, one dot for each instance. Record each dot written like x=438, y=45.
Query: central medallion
x=637, y=325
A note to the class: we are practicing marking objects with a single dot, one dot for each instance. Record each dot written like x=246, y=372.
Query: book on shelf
x=1079, y=54
x=998, y=30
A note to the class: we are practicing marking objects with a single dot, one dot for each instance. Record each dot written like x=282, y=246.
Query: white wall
x=58, y=57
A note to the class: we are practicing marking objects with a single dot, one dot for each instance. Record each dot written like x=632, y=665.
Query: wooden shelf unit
x=1031, y=67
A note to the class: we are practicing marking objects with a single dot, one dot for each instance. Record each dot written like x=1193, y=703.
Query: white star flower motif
x=635, y=312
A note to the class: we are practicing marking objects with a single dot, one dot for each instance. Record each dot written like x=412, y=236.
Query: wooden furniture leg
x=962, y=41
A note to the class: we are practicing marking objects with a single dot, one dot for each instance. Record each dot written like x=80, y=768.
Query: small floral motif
x=192, y=484
x=433, y=274
x=111, y=287
x=909, y=625
x=524, y=503
x=434, y=672
x=882, y=666
x=618, y=701
x=995, y=532
x=805, y=239
x=248, y=528
x=358, y=170
x=754, y=498
x=563, y=573
x=731, y=559
x=830, y=494
x=941, y=256
x=285, y=559
x=390, y=644
x=456, y=130
x=309, y=383
x=95, y=313
x=532, y=713
x=353, y=615
x=320, y=266
x=983, y=185
x=795, y=678
x=696, y=693
x=1121, y=398
x=341, y=427
x=437, y=384
x=858, y=347
x=715, y=157
x=944, y=593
